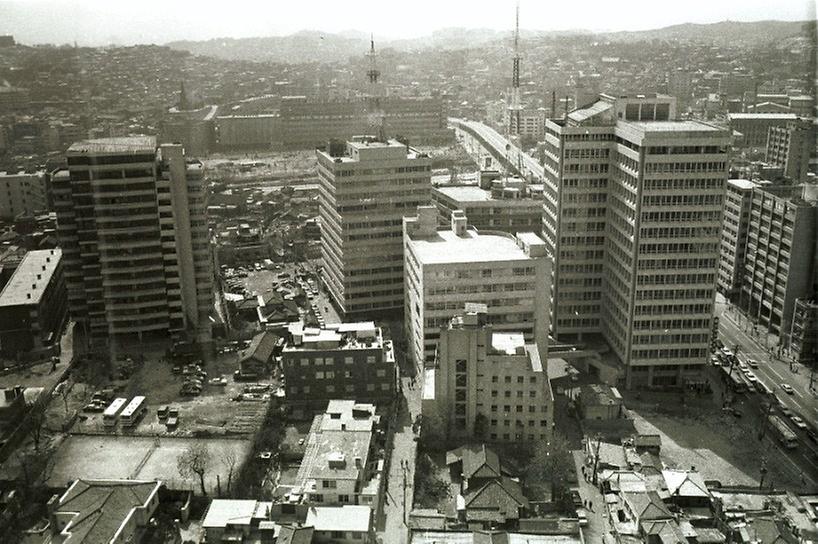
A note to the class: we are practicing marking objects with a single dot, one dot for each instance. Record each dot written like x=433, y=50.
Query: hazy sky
x=95, y=22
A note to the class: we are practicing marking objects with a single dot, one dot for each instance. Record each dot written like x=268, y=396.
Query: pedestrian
x=590, y=506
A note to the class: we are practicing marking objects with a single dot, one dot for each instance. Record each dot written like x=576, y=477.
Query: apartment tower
x=632, y=214
x=132, y=225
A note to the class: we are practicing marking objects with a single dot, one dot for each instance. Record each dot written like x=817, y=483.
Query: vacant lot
x=139, y=458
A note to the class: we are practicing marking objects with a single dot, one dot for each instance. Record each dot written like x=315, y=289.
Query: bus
x=111, y=413
x=783, y=432
x=135, y=410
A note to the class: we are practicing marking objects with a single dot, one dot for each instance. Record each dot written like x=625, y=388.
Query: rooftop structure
x=32, y=278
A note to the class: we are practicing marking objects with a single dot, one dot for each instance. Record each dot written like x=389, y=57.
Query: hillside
x=724, y=33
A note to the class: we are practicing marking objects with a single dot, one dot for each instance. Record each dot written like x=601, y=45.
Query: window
x=329, y=484
x=343, y=498
x=348, y=360
x=330, y=374
x=494, y=393
x=317, y=497
x=305, y=361
x=330, y=389
x=532, y=394
x=349, y=388
x=507, y=379
x=494, y=379
x=519, y=408
x=507, y=394
x=370, y=387
x=493, y=407
x=384, y=387
x=543, y=423
x=370, y=359
x=381, y=373
x=319, y=375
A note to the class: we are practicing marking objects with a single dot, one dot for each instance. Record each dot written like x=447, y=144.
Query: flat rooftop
x=673, y=126
x=236, y=512
x=447, y=247
x=31, y=278
x=127, y=144
x=743, y=184
x=339, y=518
x=762, y=116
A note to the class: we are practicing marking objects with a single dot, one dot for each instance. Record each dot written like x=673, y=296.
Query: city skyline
x=94, y=23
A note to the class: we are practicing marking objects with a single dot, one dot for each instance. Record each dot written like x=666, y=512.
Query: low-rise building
x=257, y=358
x=340, y=361
x=599, y=401
x=97, y=511
x=339, y=465
x=508, y=205
x=33, y=304
x=487, y=385
x=340, y=525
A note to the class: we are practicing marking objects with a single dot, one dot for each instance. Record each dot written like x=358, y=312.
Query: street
x=772, y=372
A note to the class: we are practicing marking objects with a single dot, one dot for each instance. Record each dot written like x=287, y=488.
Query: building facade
x=341, y=361
x=780, y=261
x=487, y=385
x=734, y=236
x=365, y=190
x=789, y=147
x=632, y=213
x=131, y=222
x=448, y=267
x=33, y=304
x=508, y=205
x=804, y=331
x=22, y=193
x=754, y=127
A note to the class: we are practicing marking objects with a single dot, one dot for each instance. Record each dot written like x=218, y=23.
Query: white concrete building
x=448, y=267
x=365, y=190
x=22, y=193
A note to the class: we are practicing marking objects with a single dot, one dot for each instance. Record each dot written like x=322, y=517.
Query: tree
x=230, y=459
x=551, y=466
x=194, y=461
x=33, y=423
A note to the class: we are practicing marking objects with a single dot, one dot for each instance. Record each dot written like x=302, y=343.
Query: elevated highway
x=497, y=146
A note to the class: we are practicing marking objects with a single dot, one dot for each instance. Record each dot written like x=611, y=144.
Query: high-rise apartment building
x=632, y=214
x=448, y=267
x=790, y=146
x=365, y=190
x=132, y=225
x=487, y=385
x=734, y=235
x=780, y=264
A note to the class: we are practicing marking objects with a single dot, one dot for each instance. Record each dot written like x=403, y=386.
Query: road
x=772, y=372
x=498, y=143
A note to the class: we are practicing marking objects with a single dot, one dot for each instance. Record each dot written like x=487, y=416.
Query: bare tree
x=230, y=459
x=551, y=466
x=33, y=423
x=194, y=461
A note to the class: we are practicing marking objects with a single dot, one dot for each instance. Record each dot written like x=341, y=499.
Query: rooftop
x=360, y=335
x=447, y=247
x=673, y=126
x=743, y=184
x=339, y=518
x=97, y=510
x=127, y=144
x=235, y=512
x=31, y=278
x=732, y=116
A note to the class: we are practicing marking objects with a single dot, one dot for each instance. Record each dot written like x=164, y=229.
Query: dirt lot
x=212, y=412
x=140, y=458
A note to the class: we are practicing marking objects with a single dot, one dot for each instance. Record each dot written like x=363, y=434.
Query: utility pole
x=596, y=457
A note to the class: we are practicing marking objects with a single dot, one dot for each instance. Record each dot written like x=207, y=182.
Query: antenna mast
x=376, y=115
x=515, y=104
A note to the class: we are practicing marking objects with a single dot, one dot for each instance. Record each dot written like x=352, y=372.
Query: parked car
x=752, y=363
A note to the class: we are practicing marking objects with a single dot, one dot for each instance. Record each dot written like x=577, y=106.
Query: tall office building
x=448, y=267
x=632, y=214
x=734, y=236
x=132, y=226
x=781, y=261
x=22, y=193
x=365, y=190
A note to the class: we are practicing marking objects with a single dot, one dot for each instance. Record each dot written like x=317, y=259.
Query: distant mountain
x=724, y=33
x=316, y=46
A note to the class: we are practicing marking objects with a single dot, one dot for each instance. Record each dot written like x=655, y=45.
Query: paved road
x=773, y=371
